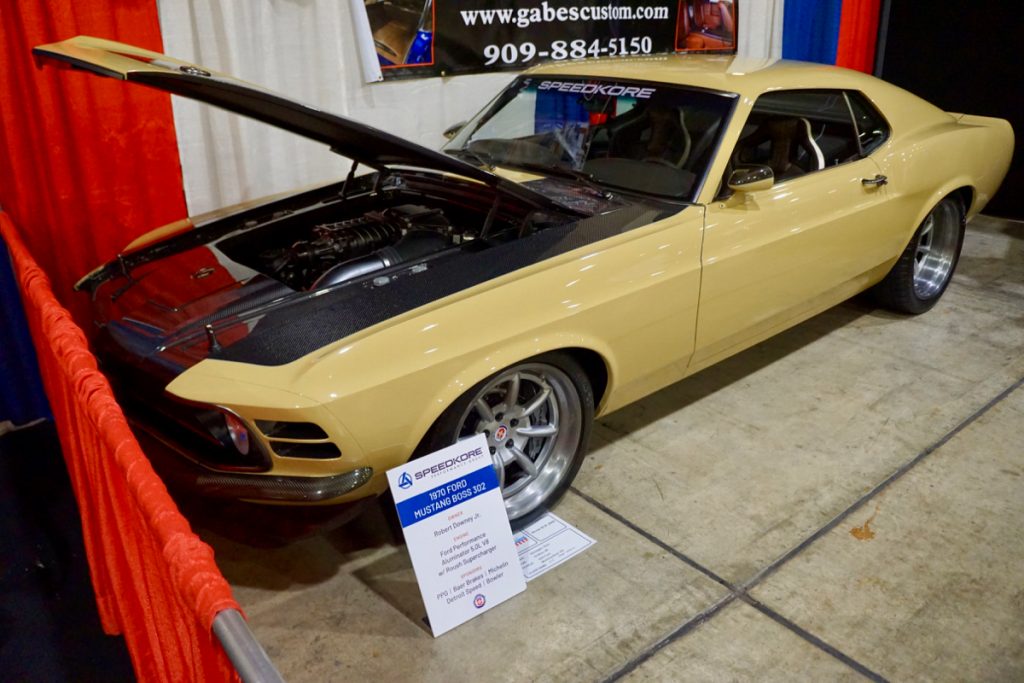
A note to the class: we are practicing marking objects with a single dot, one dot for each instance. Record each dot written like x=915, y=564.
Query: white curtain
x=760, y=29
x=305, y=49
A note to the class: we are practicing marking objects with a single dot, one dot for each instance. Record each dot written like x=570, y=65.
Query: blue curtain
x=810, y=30
x=554, y=109
x=21, y=391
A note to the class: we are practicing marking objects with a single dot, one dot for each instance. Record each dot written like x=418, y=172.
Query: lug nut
x=493, y=450
x=499, y=416
x=514, y=422
x=509, y=444
x=487, y=433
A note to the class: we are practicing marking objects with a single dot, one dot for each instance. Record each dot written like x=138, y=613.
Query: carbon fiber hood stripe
x=287, y=334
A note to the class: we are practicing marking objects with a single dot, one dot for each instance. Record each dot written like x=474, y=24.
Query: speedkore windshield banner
x=421, y=38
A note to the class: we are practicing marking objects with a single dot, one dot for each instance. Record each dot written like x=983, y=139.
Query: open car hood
x=352, y=139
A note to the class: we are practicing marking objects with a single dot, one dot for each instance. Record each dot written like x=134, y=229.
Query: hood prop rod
x=489, y=221
x=348, y=179
x=211, y=339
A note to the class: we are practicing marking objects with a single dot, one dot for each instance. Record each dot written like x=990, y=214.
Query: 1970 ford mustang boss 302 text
x=600, y=230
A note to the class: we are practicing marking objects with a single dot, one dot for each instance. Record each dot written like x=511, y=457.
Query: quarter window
x=872, y=130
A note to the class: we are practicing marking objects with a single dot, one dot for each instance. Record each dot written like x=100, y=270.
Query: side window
x=872, y=129
x=796, y=132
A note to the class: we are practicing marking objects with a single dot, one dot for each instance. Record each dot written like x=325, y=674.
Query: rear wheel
x=536, y=416
x=924, y=270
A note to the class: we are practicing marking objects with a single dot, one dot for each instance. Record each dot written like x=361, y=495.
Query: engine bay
x=343, y=250
x=334, y=242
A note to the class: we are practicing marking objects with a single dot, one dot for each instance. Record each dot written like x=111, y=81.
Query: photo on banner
x=403, y=32
x=424, y=38
x=706, y=26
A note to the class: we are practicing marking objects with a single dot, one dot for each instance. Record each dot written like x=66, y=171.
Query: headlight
x=227, y=429
x=238, y=432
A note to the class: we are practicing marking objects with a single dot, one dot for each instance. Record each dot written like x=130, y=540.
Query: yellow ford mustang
x=600, y=230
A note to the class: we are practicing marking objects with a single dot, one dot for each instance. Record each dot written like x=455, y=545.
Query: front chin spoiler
x=283, y=489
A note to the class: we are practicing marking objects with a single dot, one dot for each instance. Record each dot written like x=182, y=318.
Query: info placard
x=457, y=532
x=547, y=543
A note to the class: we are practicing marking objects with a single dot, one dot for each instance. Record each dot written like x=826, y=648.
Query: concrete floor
x=842, y=501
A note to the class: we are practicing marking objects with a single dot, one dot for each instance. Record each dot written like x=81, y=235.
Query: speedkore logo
x=445, y=464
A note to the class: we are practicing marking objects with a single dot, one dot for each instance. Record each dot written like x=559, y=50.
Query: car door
x=774, y=257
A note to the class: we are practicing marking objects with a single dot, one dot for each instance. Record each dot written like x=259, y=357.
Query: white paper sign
x=547, y=543
x=457, y=532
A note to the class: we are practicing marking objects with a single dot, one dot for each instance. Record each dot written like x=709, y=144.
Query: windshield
x=644, y=137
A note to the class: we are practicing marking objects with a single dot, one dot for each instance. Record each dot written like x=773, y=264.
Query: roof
x=750, y=77
x=742, y=75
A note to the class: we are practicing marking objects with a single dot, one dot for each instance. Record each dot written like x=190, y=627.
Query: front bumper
x=173, y=437
x=178, y=470
x=281, y=489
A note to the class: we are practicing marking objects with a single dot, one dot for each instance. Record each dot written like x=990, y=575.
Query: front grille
x=198, y=431
x=298, y=440
x=305, y=431
x=182, y=425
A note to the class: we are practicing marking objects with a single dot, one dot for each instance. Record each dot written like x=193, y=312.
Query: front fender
x=632, y=302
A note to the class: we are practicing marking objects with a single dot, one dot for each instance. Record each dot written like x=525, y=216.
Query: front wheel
x=925, y=267
x=536, y=416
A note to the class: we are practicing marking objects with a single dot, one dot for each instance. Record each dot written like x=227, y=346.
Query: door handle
x=877, y=181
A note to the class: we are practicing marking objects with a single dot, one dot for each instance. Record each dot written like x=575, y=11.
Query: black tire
x=921, y=275
x=528, y=496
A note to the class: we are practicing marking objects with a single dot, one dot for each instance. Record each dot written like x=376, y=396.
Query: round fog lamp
x=238, y=432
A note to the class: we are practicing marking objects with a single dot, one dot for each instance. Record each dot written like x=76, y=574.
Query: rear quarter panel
x=932, y=153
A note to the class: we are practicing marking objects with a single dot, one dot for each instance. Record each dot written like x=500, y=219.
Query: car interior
x=672, y=137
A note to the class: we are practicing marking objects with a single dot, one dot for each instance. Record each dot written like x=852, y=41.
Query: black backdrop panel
x=966, y=57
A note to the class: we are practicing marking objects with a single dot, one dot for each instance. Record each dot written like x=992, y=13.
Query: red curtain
x=858, y=33
x=156, y=582
x=86, y=163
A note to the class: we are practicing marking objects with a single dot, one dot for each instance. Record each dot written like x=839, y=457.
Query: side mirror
x=751, y=179
x=453, y=130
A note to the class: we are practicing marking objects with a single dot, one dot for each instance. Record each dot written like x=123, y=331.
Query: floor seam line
x=692, y=623
x=812, y=639
x=682, y=557
x=741, y=592
x=880, y=487
x=734, y=593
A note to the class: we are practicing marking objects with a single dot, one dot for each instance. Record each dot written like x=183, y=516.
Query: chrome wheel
x=920, y=275
x=936, y=250
x=531, y=416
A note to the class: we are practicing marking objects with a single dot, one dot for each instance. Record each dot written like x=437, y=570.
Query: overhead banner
x=423, y=38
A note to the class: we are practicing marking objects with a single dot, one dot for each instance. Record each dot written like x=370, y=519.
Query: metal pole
x=883, y=36
x=245, y=652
